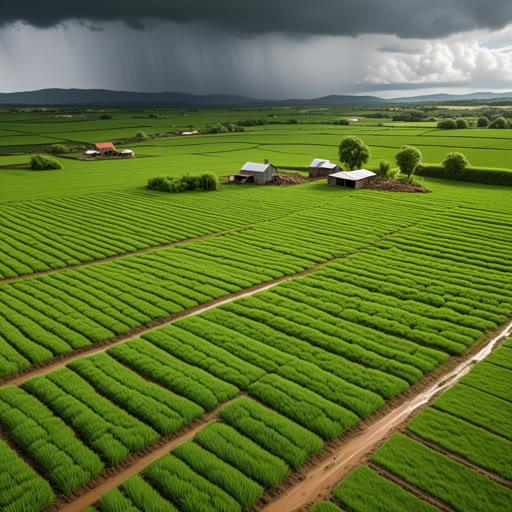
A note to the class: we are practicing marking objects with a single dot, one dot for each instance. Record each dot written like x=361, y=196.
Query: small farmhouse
x=106, y=149
x=351, y=179
x=321, y=167
x=91, y=153
x=127, y=153
x=255, y=173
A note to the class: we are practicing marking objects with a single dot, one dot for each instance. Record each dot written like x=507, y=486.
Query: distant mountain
x=107, y=98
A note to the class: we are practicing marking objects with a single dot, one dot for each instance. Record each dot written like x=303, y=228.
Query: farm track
x=87, y=494
x=318, y=476
x=125, y=254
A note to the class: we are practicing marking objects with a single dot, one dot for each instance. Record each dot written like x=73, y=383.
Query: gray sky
x=263, y=49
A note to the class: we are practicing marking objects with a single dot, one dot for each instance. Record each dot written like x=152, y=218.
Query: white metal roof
x=318, y=162
x=126, y=151
x=353, y=175
x=254, y=167
x=91, y=152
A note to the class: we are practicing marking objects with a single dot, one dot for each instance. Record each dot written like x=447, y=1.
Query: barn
x=91, y=153
x=106, y=149
x=351, y=179
x=252, y=172
x=127, y=153
x=321, y=167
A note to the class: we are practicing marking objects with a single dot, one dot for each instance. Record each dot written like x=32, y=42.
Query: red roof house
x=105, y=148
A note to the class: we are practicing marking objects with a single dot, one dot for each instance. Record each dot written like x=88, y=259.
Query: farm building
x=321, y=167
x=255, y=173
x=91, y=153
x=127, y=153
x=106, y=149
x=352, y=179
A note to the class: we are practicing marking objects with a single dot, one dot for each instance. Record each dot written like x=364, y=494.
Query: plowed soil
x=391, y=185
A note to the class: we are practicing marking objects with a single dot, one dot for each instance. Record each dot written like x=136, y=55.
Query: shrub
x=44, y=163
x=353, y=152
x=461, y=123
x=385, y=170
x=447, y=124
x=206, y=181
x=408, y=158
x=482, y=122
x=106, y=116
x=455, y=162
x=141, y=135
x=341, y=122
x=58, y=149
x=499, y=123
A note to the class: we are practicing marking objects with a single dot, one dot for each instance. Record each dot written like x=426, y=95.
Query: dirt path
x=124, y=255
x=319, y=482
x=92, y=491
x=61, y=360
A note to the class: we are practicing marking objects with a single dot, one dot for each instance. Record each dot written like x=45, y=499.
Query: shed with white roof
x=320, y=167
x=351, y=179
x=253, y=172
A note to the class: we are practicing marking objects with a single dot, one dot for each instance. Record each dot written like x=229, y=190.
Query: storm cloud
x=403, y=18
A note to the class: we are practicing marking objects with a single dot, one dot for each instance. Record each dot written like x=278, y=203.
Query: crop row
x=473, y=424
x=21, y=488
x=53, y=314
x=42, y=235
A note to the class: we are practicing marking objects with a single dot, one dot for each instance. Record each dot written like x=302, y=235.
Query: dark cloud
x=405, y=18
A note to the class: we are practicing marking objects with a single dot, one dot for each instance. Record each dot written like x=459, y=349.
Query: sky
x=267, y=49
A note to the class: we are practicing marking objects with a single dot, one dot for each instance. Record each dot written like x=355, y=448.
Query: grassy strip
x=48, y=440
x=277, y=434
x=501, y=357
x=160, y=408
x=484, y=449
x=21, y=488
x=242, y=453
x=325, y=506
x=303, y=406
x=134, y=495
x=478, y=408
x=364, y=490
x=223, y=475
x=186, y=489
x=491, y=379
x=108, y=429
x=462, y=488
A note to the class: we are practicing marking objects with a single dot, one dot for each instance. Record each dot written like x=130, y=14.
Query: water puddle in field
x=321, y=480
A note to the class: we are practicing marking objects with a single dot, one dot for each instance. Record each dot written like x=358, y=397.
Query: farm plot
x=56, y=313
x=460, y=430
x=222, y=468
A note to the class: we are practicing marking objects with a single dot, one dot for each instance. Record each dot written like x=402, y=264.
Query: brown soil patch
x=391, y=185
x=290, y=178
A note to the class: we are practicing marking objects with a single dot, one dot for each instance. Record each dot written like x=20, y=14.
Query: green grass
x=364, y=490
x=462, y=488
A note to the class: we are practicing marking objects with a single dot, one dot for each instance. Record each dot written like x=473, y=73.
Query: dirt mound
x=289, y=178
x=391, y=185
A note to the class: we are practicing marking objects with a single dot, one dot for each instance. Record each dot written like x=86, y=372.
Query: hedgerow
x=429, y=470
x=48, y=440
x=485, y=175
x=21, y=488
x=277, y=434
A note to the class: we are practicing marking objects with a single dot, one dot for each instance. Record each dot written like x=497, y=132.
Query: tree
x=447, y=124
x=353, y=152
x=58, y=149
x=455, y=162
x=408, y=159
x=482, y=122
x=461, y=123
x=499, y=122
x=141, y=135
